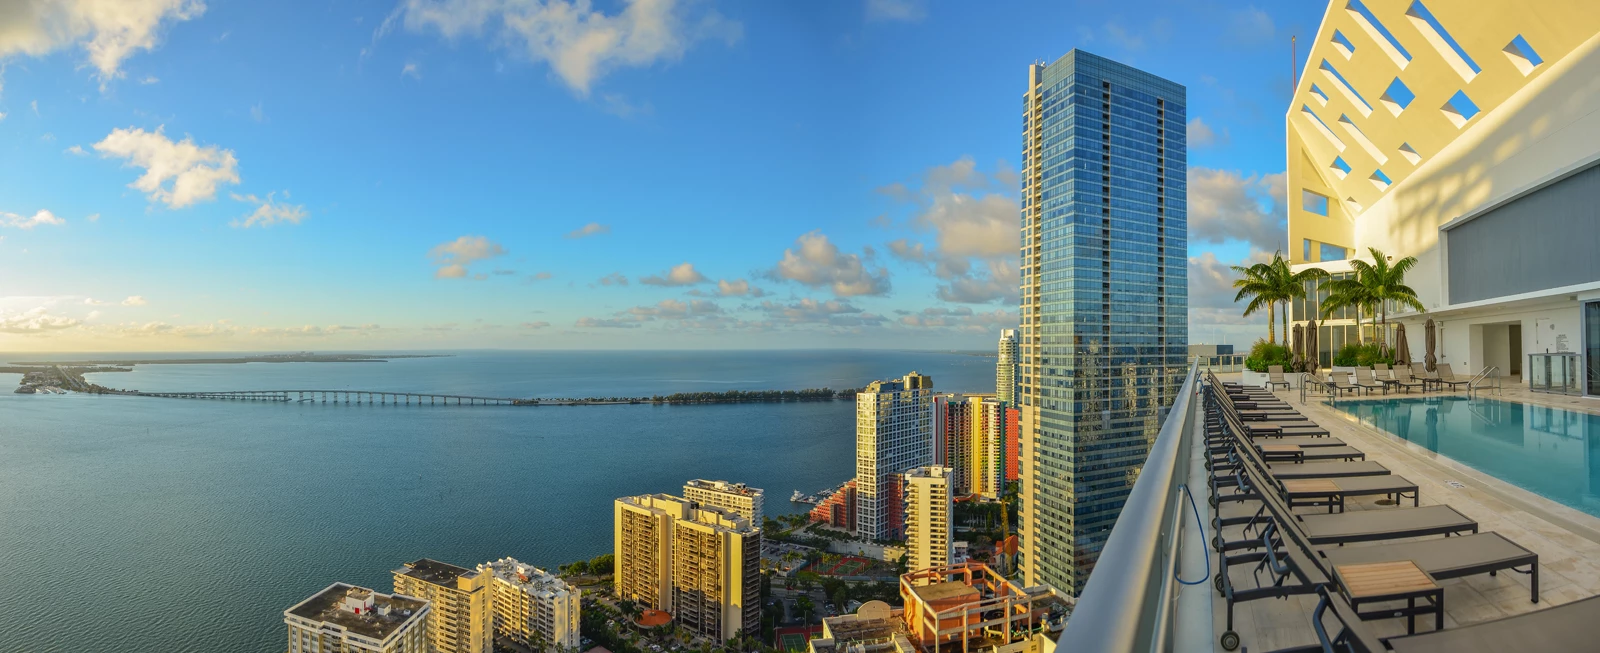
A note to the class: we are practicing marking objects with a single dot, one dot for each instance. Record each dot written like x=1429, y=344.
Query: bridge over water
x=344, y=397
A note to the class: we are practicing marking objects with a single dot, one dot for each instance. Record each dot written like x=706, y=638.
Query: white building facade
x=894, y=433
x=533, y=607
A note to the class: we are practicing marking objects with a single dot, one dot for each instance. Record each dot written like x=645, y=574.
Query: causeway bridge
x=344, y=397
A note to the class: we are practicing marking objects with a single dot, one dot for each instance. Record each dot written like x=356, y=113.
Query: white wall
x=1469, y=343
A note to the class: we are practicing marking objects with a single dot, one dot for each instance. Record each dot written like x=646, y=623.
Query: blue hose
x=1196, y=510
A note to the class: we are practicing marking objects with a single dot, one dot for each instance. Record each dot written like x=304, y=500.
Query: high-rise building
x=839, y=509
x=928, y=542
x=1462, y=134
x=894, y=433
x=985, y=468
x=350, y=619
x=533, y=607
x=700, y=563
x=463, y=612
x=1104, y=298
x=1005, y=368
x=952, y=422
x=737, y=497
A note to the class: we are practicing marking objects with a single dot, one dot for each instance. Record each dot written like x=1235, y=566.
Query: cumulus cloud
x=613, y=279
x=580, y=43
x=108, y=31
x=973, y=218
x=34, y=321
x=1201, y=134
x=607, y=323
x=535, y=325
x=16, y=221
x=269, y=211
x=591, y=229
x=682, y=274
x=1225, y=205
x=455, y=257
x=411, y=70
x=735, y=288
x=901, y=10
x=194, y=172
x=816, y=262
x=134, y=300
x=961, y=318
x=540, y=276
x=674, y=309
x=810, y=311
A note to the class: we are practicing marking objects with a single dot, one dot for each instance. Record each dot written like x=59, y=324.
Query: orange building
x=839, y=509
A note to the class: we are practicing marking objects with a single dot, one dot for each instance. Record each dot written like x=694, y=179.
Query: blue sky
x=366, y=174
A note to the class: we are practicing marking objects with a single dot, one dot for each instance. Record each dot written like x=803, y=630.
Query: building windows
x=1459, y=109
x=1314, y=202
x=1343, y=44
x=1333, y=253
x=1380, y=180
x=1522, y=55
x=1397, y=97
x=1379, y=34
x=1440, y=39
x=1340, y=168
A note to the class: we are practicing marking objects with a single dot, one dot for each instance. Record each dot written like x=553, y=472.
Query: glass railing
x=1131, y=601
x=1555, y=373
x=1221, y=363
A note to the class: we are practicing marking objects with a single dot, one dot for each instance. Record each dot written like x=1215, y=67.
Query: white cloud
x=195, y=172
x=2, y=115
x=269, y=211
x=810, y=311
x=591, y=229
x=29, y=221
x=108, y=31
x=580, y=43
x=673, y=309
x=682, y=274
x=735, y=288
x=135, y=300
x=77, y=150
x=816, y=262
x=150, y=79
x=258, y=113
x=456, y=256
x=961, y=318
x=974, y=220
x=905, y=10
x=1202, y=135
x=34, y=321
x=535, y=325
x=614, y=279
x=591, y=322
x=412, y=70
x=1225, y=205
x=93, y=217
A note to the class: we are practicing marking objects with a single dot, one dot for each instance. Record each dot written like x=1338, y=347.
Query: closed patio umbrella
x=1429, y=345
x=1402, y=349
x=1313, y=356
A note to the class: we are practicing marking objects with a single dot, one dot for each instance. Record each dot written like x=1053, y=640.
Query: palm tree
x=1291, y=285
x=1385, y=283
x=1349, y=292
x=1256, y=283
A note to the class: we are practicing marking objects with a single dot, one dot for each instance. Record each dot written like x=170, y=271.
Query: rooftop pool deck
x=1473, y=451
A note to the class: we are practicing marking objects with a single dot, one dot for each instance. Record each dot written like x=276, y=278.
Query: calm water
x=1549, y=451
x=159, y=525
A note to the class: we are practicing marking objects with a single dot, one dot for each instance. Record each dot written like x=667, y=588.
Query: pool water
x=1551, y=452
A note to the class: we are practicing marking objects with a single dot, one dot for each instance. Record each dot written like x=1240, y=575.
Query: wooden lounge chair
x=1402, y=380
x=1570, y=627
x=1275, y=377
x=1365, y=381
x=1447, y=377
x=1332, y=492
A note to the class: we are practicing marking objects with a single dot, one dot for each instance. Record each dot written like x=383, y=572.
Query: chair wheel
x=1213, y=501
x=1216, y=542
x=1230, y=641
x=1217, y=580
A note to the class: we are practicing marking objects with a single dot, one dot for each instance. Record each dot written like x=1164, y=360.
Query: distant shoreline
x=270, y=358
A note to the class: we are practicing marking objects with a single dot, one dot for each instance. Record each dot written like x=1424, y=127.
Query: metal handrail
x=1308, y=379
x=1490, y=374
x=1126, y=604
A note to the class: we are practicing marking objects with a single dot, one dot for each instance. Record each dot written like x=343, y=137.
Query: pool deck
x=1567, y=540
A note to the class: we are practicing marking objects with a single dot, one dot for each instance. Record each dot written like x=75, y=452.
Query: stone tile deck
x=1567, y=540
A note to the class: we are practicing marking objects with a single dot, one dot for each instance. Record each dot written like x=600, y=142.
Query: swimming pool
x=1551, y=452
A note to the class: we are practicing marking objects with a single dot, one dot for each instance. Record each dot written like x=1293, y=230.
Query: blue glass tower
x=1104, y=324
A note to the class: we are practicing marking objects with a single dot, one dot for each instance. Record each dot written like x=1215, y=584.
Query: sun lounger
x=1448, y=377
x=1302, y=441
x=1451, y=557
x=1341, y=382
x=1420, y=372
x=1271, y=450
x=1570, y=627
x=1375, y=525
x=1332, y=492
x=1403, y=380
x=1366, y=381
x=1291, y=471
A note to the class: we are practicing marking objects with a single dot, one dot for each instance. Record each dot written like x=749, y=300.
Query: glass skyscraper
x=1104, y=326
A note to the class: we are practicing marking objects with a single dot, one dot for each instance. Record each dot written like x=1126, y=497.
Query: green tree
x=1255, y=282
x=1385, y=283
x=603, y=564
x=805, y=606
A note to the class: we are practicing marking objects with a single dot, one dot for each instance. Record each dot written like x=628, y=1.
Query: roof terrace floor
x=1566, y=540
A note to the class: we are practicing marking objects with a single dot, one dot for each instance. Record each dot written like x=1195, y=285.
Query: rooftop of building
x=432, y=571
x=389, y=613
x=724, y=486
x=947, y=592
x=526, y=576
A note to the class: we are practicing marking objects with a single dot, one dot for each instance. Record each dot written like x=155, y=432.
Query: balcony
x=1138, y=597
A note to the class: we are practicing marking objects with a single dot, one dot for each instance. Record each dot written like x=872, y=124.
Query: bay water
x=137, y=524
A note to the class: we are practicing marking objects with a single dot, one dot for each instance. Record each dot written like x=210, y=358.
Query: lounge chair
x=1420, y=372
x=1451, y=557
x=1292, y=471
x=1332, y=492
x=1570, y=627
x=1402, y=380
x=1377, y=525
x=1273, y=451
x=1378, y=370
x=1275, y=377
x=1365, y=380
x=1340, y=381
x=1447, y=377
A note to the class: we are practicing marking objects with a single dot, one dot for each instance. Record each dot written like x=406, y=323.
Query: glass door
x=1591, y=346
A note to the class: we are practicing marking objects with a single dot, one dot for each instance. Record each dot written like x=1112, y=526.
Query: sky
x=214, y=175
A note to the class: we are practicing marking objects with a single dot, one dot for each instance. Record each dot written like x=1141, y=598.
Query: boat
x=798, y=497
